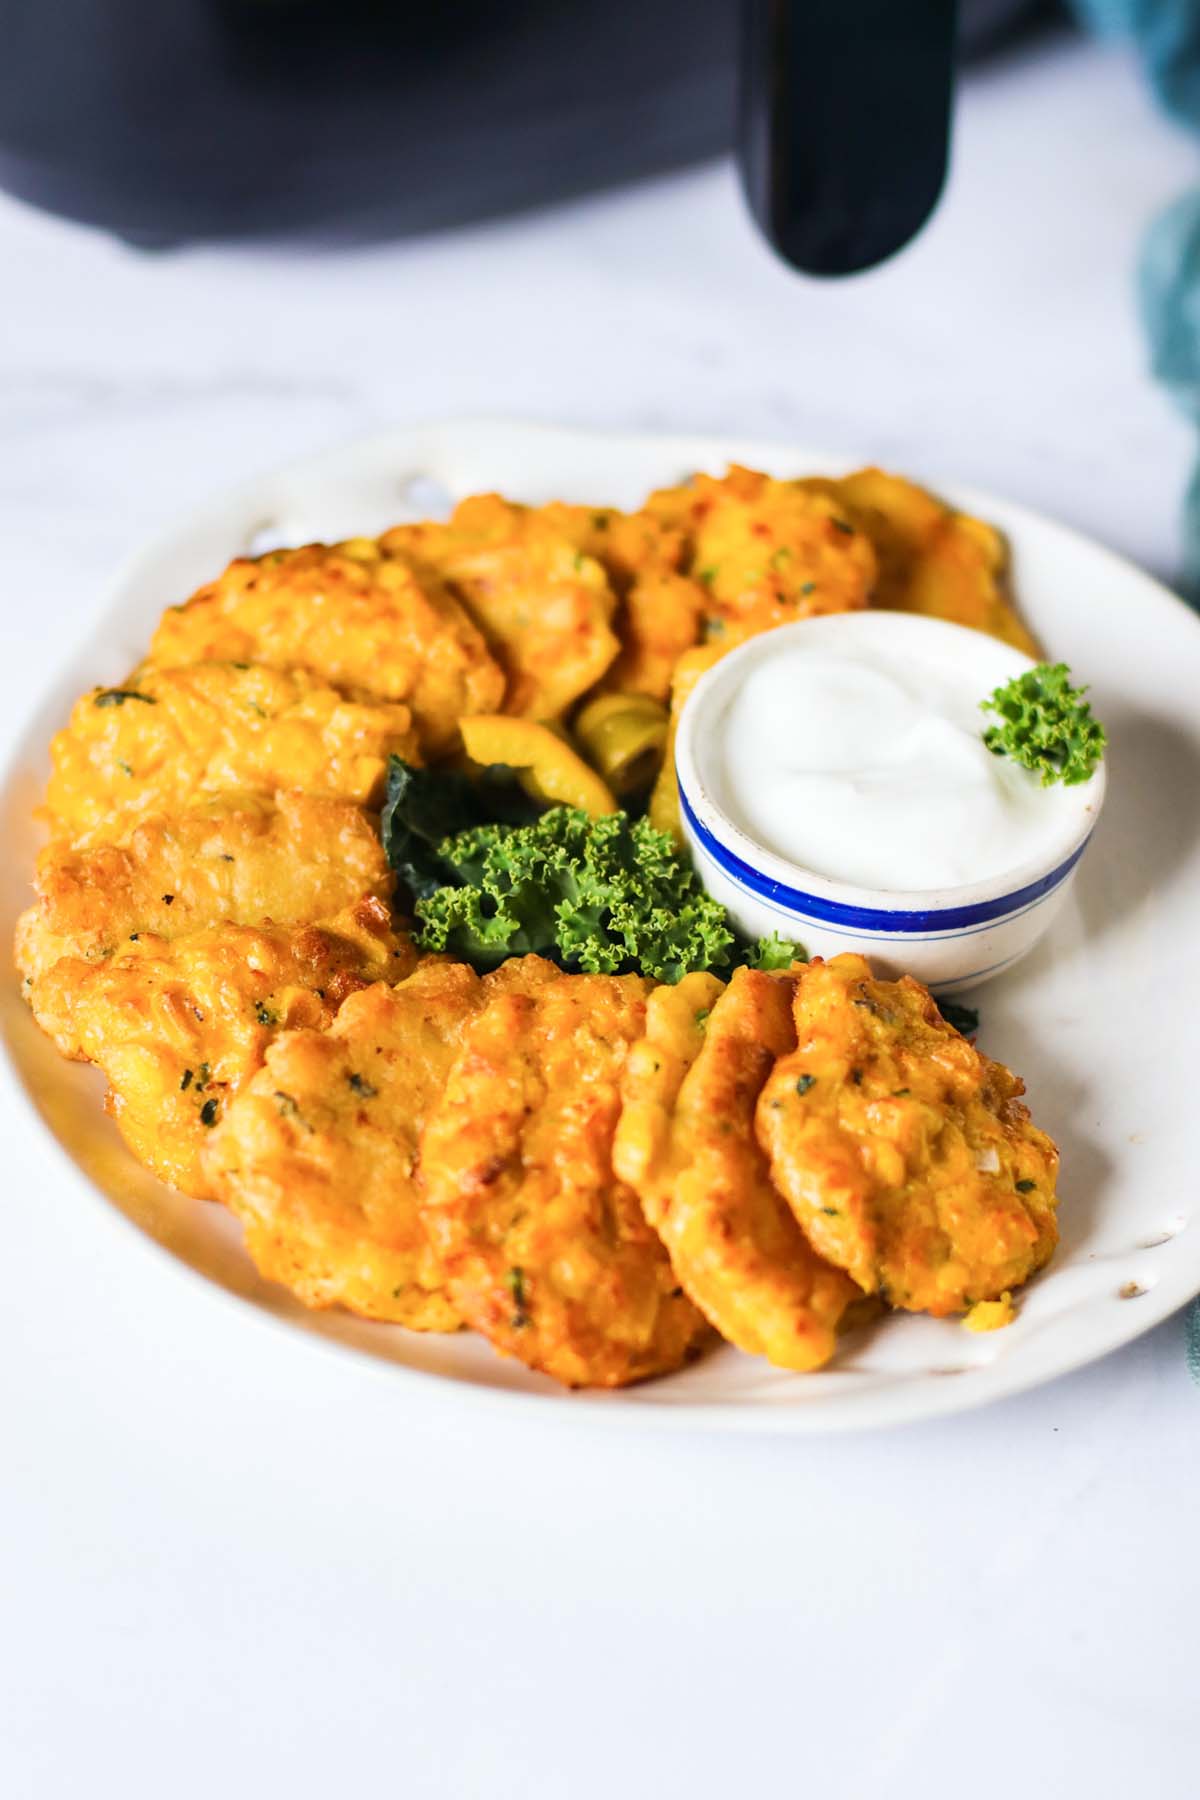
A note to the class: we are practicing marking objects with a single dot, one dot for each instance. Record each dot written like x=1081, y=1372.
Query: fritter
x=178, y=1028
x=364, y=619
x=289, y=859
x=167, y=737
x=932, y=559
x=318, y=1158
x=624, y=738
x=660, y=609
x=767, y=551
x=545, y=1251
x=906, y=1156
x=686, y=1144
x=544, y=607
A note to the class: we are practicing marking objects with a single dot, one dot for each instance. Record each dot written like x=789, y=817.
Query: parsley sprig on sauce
x=1046, y=725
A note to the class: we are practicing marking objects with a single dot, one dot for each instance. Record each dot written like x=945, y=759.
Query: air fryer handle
x=845, y=124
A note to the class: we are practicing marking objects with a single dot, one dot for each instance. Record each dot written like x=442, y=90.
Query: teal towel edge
x=1191, y=1326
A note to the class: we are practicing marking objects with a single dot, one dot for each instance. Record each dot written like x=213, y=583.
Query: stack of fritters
x=592, y=1171
x=444, y=1153
x=597, y=1173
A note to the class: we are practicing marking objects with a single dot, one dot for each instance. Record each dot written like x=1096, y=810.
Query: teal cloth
x=1169, y=291
x=1167, y=36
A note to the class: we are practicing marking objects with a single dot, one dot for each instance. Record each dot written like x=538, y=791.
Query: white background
x=233, y=1563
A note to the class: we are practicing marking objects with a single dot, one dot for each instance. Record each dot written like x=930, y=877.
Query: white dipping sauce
x=869, y=767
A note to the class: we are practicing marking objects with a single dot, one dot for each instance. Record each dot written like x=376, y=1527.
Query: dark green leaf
x=425, y=806
x=964, y=1019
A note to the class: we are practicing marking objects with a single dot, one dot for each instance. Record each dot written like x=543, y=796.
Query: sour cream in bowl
x=835, y=788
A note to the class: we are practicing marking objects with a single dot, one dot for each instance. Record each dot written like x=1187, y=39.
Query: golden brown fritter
x=247, y=859
x=544, y=607
x=167, y=738
x=906, y=1156
x=179, y=1028
x=767, y=551
x=318, y=1157
x=662, y=617
x=932, y=559
x=660, y=609
x=545, y=1251
x=686, y=1144
x=363, y=619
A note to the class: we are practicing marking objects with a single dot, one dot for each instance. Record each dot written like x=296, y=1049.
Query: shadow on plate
x=1151, y=820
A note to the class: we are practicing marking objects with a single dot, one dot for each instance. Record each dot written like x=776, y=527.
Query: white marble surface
x=230, y=1565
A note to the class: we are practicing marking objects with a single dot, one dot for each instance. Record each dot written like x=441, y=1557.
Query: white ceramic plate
x=1101, y=1019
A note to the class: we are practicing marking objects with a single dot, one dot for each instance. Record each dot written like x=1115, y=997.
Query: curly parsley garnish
x=1046, y=725
x=605, y=896
x=773, y=952
x=602, y=895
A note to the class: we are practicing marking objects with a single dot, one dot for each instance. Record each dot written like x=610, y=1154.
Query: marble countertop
x=229, y=1566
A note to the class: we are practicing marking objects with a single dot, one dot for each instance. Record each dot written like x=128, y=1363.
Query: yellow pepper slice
x=623, y=736
x=549, y=768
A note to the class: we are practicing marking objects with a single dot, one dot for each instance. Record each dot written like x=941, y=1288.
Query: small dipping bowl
x=949, y=937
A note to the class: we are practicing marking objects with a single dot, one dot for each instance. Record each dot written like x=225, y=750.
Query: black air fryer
x=168, y=121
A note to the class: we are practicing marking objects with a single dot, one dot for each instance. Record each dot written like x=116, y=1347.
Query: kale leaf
x=606, y=895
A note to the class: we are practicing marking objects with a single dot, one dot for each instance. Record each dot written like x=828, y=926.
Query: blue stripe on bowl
x=929, y=937
x=833, y=912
